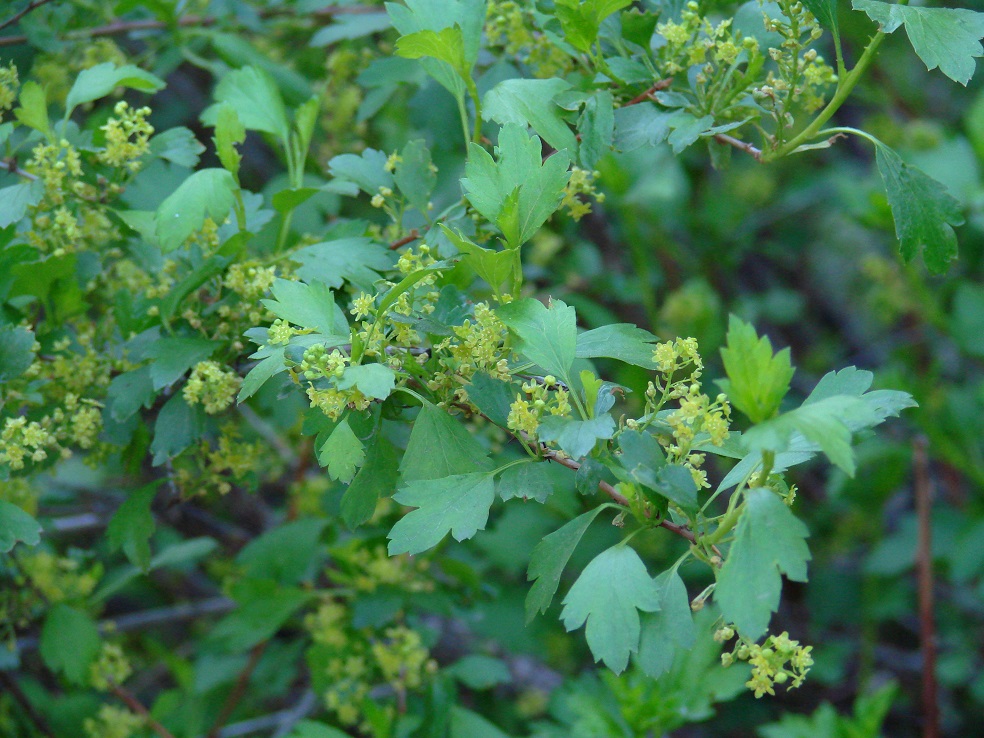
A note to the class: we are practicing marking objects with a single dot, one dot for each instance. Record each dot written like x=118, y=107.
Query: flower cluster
x=212, y=386
x=127, y=137
x=114, y=722
x=112, y=667
x=8, y=87
x=580, y=188
x=512, y=27
x=778, y=660
x=801, y=75
x=348, y=662
x=367, y=569
x=57, y=578
x=537, y=399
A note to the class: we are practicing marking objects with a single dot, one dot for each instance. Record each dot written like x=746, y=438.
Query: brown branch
x=238, y=690
x=412, y=236
x=136, y=706
x=117, y=28
x=40, y=722
x=33, y=5
x=648, y=94
x=11, y=166
x=924, y=568
x=739, y=144
x=618, y=497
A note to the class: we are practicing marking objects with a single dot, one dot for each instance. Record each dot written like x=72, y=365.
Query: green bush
x=326, y=409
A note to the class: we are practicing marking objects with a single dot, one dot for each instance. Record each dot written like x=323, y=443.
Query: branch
x=40, y=722
x=648, y=94
x=924, y=567
x=117, y=28
x=412, y=236
x=238, y=690
x=739, y=144
x=11, y=164
x=33, y=5
x=137, y=706
x=618, y=497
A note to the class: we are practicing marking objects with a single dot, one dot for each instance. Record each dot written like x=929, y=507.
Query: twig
x=33, y=5
x=739, y=144
x=117, y=28
x=40, y=722
x=618, y=497
x=924, y=568
x=150, y=618
x=648, y=94
x=412, y=236
x=238, y=690
x=137, y=706
x=11, y=164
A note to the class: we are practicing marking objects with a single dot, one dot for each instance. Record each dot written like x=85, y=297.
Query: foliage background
x=803, y=248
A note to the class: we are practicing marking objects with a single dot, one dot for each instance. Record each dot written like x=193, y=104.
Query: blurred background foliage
x=804, y=248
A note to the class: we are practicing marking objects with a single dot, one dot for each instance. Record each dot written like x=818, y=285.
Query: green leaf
x=16, y=350
x=286, y=554
x=229, y=133
x=376, y=479
x=488, y=184
x=128, y=392
x=367, y=170
x=286, y=200
x=132, y=526
x=342, y=453
x=825, y=11
x=548, y=335
x=446, y=45
x=305, y=305
x=668, y=630
x=264, y=608
x=69, y=642
x=33, y=110
x=597, y=128
x=769, y=539
x=608, y=596
x=440, y=446
x=17, y=525
x=415, y=174
x=255, y=97
x=348, y=27
x=675, y=483
x=260, y=375
x=495, y=267
x=838, y=406
x=757, y=381
x=17, y=199
x=373, y=380
x=529, y=481
x=923, y=209
x=581, y=19
x=942, y=37
x=178, y=426
x=468, y=724
x=459, y=504
x=640, y=126
x=175, y=356
x=549, y=558
x=622, y=341
x=357, y=260
x=309, y=728
x=491, y=396
x=178, y=146
x=478, y=671
x=102, y=79
x=641, y=456
x=530, y=102
x=207, y=192
x=576, y=438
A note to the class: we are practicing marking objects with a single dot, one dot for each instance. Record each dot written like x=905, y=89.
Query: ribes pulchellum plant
x=169, y=326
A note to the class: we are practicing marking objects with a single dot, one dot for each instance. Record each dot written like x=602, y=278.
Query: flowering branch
x=33, y=5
